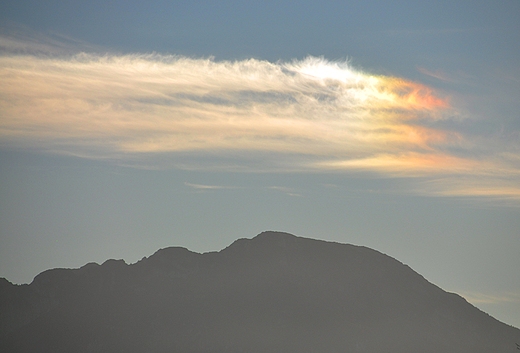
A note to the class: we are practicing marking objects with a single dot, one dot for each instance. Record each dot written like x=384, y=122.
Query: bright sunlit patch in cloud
x=172, y=111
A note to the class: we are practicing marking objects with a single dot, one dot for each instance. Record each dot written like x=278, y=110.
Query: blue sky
x=130, y=126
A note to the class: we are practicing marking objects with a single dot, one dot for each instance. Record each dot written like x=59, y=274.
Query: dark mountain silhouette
x=273, y=293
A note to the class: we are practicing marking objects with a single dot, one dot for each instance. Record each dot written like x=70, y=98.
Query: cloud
x=497, y=189
x=202, y=187
x=438, y=74
x=494, y=298
x=145, y=104
x=161, y=111
x=19, y=39
x=431, y=32
x=285, y=190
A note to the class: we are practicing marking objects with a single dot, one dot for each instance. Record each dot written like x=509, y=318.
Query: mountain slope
x=273, y=293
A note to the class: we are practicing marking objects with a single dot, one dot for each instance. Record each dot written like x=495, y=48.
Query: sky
x=129, y=126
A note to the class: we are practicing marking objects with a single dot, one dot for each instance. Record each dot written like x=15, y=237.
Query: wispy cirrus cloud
x=135, y=104
x=491, y=298
x=204, y=187
x=286, y=190
x=18, y=39
x=438, y=74
x=173, y=111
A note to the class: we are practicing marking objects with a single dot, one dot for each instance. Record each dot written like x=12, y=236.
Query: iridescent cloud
x=149, y=104
x=167, y=111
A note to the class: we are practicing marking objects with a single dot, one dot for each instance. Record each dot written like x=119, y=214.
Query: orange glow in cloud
x=413, y=95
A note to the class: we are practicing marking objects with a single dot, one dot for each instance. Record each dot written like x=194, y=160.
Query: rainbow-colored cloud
x=172, y=111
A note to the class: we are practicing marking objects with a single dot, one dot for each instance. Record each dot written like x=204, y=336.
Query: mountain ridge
x=274, y=292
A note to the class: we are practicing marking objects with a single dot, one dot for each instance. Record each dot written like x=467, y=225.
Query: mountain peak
x=268, y=237
x=272, y=235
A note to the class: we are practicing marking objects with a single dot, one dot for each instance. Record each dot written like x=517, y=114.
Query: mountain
x=273, y=293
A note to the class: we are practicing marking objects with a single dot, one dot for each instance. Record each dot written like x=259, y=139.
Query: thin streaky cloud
x=209, y=187
x=491, y=298
x=18, y=39
x=498, y=186
x=285, y=190
x=438, y=74
x=434, y=31
x=328, y=185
